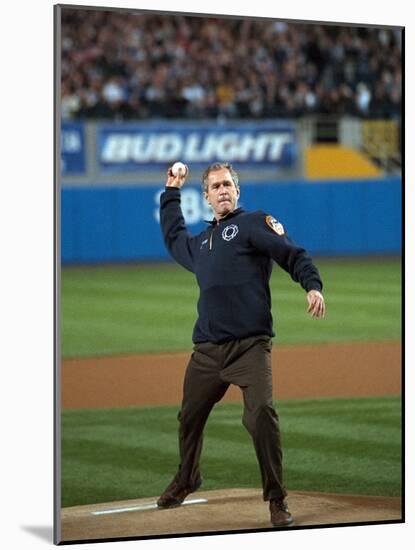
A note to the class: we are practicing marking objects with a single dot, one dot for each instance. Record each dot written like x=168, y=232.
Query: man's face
x=221, y=194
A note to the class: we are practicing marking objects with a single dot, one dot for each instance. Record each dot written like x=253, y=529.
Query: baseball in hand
x=178, y=169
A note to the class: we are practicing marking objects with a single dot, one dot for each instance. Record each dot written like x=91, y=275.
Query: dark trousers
x=211, y=369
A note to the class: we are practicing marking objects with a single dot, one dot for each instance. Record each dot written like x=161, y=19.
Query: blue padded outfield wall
x=120, y=224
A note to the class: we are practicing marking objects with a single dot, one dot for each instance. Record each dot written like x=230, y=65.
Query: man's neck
x=220, y=218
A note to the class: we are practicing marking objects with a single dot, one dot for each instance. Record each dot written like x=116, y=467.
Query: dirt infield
x=120, y=519
x=327, y=370
x=312, y=371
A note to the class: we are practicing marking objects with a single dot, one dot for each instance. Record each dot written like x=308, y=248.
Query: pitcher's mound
x=225, y=510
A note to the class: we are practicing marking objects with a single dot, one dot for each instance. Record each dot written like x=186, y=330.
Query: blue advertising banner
x=73, y=148
x=128, y=147
x=117, y=224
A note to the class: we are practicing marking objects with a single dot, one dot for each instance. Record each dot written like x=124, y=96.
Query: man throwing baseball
x=232, y=261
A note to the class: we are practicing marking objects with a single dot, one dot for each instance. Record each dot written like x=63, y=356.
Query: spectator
x=132, y=65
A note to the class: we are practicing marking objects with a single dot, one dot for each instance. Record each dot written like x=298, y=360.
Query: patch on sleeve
x=274, y=225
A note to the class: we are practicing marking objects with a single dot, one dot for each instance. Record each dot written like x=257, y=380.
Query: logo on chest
x=230, y=232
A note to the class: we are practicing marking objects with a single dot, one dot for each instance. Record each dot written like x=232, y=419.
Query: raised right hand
x=176, y=181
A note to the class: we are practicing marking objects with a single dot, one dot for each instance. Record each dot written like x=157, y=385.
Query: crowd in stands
x=128, y=66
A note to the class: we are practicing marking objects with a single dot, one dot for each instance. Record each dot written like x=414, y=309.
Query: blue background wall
x=116, y=224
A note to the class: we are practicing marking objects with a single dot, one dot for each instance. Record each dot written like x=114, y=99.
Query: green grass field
x=136, y=309
x=341, y=446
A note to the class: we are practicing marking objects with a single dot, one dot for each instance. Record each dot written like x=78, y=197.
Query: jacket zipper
x=211, y=236
x=210, y=240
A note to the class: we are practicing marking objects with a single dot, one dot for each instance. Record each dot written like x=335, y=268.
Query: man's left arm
x=269, y=236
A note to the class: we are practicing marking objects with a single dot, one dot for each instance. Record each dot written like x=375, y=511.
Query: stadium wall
x=107, y=224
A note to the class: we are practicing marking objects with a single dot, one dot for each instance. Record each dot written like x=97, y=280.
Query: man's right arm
x=176, y=237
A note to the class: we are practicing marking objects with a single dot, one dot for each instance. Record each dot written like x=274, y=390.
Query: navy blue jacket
x=232, y=261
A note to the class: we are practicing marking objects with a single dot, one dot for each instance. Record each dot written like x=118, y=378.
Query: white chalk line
x=144, y=507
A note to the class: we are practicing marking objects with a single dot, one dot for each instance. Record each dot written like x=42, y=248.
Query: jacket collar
x=227, y=217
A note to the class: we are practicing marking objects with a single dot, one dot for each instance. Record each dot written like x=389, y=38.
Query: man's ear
x=206, y=197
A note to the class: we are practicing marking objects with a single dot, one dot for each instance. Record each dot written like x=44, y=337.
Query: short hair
x=219, y=166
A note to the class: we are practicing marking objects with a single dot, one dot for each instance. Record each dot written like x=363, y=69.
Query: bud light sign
x=128, y=147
